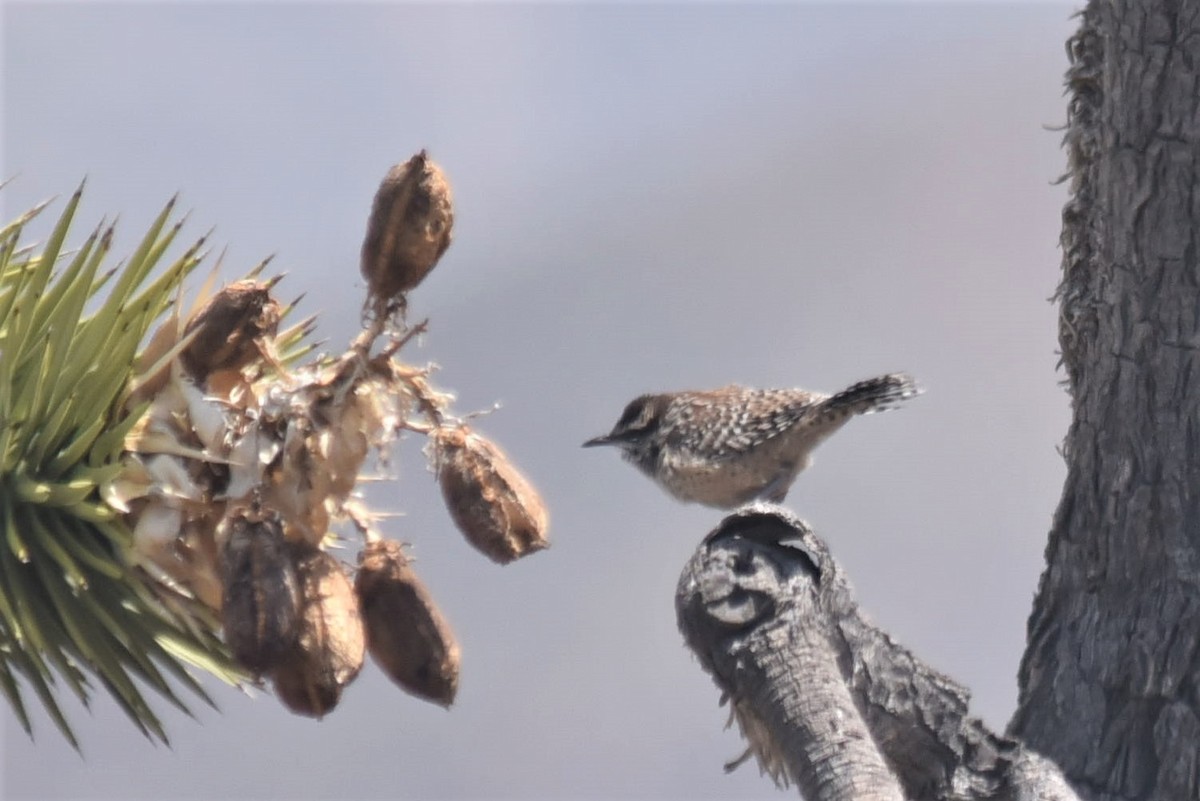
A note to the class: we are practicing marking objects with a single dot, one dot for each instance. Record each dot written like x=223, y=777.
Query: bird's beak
x=607, y=439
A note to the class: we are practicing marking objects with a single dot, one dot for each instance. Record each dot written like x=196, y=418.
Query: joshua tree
x=170, y=479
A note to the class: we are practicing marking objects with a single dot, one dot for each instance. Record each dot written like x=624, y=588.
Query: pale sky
x=649, y=197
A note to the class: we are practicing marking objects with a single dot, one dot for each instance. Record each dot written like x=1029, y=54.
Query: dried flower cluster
x=244, y=463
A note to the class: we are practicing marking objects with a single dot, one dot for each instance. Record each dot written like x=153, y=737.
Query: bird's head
x=635, y=432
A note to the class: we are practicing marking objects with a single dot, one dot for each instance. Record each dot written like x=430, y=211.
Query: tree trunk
x=825, y=698
x=1108, y=682
x=787, y=690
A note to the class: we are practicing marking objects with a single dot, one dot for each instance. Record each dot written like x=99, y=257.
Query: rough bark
x=825, y=698
x=1108, y=682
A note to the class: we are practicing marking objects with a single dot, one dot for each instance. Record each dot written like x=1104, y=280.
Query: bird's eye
x=634, y=416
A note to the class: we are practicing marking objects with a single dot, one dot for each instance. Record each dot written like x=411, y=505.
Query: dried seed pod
x=409, y=227
x=329, y=647
x=260, y=601
x=233, y=326
x=406, y=633
x=494, y=506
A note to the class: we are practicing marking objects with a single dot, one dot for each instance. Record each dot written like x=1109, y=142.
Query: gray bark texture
x=826, y=699
x=1109, y=681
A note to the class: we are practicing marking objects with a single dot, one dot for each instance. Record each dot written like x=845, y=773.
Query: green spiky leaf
x=75, y=610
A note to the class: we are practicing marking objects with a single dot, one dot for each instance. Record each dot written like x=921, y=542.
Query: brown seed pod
x=233, y=326
x=260, y=600
x=494, y=506
x=329, y=647
x=409, y=228
x=406, y=633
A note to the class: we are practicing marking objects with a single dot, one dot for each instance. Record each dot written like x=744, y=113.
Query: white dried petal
x=132, y=482
x=245, y=465
x=274, y=400
x=207, y=418
x=164, y=442
x=343, y=448
x=384, y=408
x=298, y=486
x=157, y=528
x=168, y=407
x=171, y=478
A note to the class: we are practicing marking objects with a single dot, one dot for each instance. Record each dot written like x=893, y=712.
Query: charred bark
x=1108, y=682
x=826, y=699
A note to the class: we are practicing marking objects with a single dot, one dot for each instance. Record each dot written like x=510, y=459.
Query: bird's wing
x=733, y=419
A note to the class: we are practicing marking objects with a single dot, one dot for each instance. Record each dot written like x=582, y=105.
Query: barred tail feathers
x=874, y=394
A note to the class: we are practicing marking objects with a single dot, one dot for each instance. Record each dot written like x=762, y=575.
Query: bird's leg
x=777, y=490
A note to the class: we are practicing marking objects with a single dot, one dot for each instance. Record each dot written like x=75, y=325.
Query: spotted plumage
x=728, y=446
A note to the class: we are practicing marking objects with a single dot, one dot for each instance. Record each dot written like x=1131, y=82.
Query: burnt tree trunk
x=1108, y=685
x=825, y=698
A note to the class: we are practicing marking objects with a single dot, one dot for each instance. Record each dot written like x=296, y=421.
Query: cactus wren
x=726, y=447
